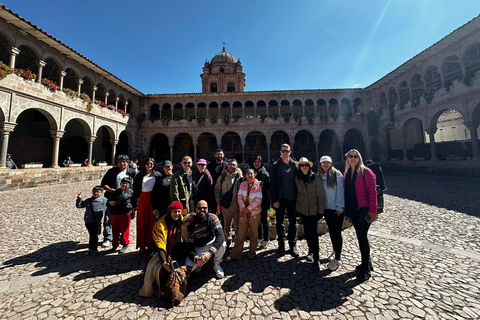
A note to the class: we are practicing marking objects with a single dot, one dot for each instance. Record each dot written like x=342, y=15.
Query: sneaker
x=363, y=276
x=334, y=264
x=113, y=249
x=264, y=244
x=218, y=271
x=331, y=257
x=106, y=244
x=309, y=258
x=316, y=266
x=359, y=268
x=124, y=249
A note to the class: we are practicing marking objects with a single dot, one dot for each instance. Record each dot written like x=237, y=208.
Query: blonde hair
x=360, y=166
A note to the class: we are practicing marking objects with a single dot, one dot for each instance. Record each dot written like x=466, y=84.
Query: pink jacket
x=255, y=205
x=366, y=189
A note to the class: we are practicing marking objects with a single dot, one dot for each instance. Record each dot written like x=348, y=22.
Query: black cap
x=127, y=179
x=97, y=188
x=167, y=163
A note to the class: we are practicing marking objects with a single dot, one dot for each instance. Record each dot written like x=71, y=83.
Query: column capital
x=57, y=134
x=8, y=126
x=470, y=125
x=431, y=131
x=94, y=88
x=107, y=94
x=79, y=81
x=126, y=103
x=316, y=140
x=14, y=50
x=90, y=139
x=63, y=73
x=41, y=63
x=114, y=142
x=117, y=99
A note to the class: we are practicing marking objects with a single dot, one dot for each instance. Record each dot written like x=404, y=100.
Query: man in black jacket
x=110, y=182
x=217, y=166
x=381, y=186
x=284, y=195
x=203, y=233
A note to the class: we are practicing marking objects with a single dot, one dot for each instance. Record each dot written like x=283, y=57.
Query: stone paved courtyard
x=425, y=251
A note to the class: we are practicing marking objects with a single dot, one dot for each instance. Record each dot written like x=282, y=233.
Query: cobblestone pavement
x=425, y=251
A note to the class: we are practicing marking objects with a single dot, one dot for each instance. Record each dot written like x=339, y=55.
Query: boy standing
x=94, y=210
x=120, y=203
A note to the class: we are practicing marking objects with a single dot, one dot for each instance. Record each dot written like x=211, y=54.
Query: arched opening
x=189, y=111
x=261, y=108
x=213, y=88
x=357, y=106
x=159, y=148
x=31, y=141
x=232, y=146
x=167, y=111
x=129, y=107
x=471, y=57
x=87, y=88
x=285, y=108
x=309, y=107
x=182, y=146
x=102, y=147
x=297, y=107
x=230, y=87
x=416, y=85
x=392, y=96
x=207, y=144
x=452, y=71
x=202, y=109
x=415, y=140
x=273, y=107
x=123, y=146
x=404, y=93
x=177, y=111
x=154, y=112
x=432, y=78
x=329, y=145
x=304, y=146
x=73, y=143
x=70, y=80
x=322, y=107
x=452, y=138
x=255, y=144
x=213, y=109
x=100, y=93
x=346, y=108
x=353, y=139
x=51, y=71
x=112, y=98
x=4, y=54
x=225, y=109
x=121, y=102
x=383, y=100
x=249, y=109
x=26, y=59
x=278, y=138
x=333, y=107
x=237, y=109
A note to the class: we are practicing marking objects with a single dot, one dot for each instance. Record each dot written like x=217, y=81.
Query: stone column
x=255, y=110
x=94, y=89
x=243, y=111
x=106, y=97
x=243, y=151
x=474, y=139
x=114, y=150
x=266, y=110
x=13, y=54
x=433, y=150
x=63, y=74
x=56, y=135
x=317, y=142
x=183, y=111
x=231, y=111
x=171, y=153
x=403, y=136
x=342, y=152
x=7, y=128
x=463, y=66
x=194, y=153
x=303, y=110
x=116, y=103
x=385, y=146
x=126, y=108
x=207, y=111
x=41, y=64
x=79, y=82
x=196, y=111
x=279, y=110
x=269, y=157
x=442, y=78
x=315, y=108
x=90, y=141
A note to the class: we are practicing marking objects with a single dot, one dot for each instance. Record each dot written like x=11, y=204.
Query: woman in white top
x=142, y=202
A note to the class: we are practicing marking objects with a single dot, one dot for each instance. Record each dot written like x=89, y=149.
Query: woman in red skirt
x=142, y=195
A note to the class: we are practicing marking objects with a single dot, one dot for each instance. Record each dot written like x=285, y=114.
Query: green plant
x=334, y=116
x=50, y=85
x=236, y=117
x=4, y=70
x=201, y=120
x=310, y=117
x=298, y=119
x=391, y=112
x=286, y=117
x=323, y=117
x=213, y=119
x=274, y=116
x=348, y=116
x=467, y=80
x=263, y=116
x=69, y=92
x=429, y=94
x=373, y=122
x=226, y=119
x=165, y=121
x=25, y=74
x=271, y=216
x=177, y=118
x=416, y=99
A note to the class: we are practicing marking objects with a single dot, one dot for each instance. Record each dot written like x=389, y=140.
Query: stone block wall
x=30, y=178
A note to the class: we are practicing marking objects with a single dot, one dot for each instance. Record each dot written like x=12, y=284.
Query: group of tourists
x=184, y=219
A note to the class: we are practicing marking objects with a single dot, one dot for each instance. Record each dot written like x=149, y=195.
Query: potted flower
x=4, y=70
x=236, y=117
x=26, y=74
x=201, y=120
x=263, y=116
x=50, y=85
x=286, y=117
x=213, y=119
x=226, y=119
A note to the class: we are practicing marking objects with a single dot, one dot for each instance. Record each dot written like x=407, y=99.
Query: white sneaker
x=334, y=264
x=106, y=244
x=264, y=244
x=331, y=257
x=218, y=271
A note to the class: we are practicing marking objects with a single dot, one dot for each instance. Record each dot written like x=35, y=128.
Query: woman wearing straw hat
x=309, y=205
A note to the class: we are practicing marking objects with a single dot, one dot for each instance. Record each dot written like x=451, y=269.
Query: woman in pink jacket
x=360, y=206
x=250, y=205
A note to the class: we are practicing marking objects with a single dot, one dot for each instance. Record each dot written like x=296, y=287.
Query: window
x=213, y=88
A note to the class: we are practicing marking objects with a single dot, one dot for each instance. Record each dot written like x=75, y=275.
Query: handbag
x=227, y=198
x=176, y=285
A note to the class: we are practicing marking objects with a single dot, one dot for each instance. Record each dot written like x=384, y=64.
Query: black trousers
x=93, y=234
x=288, y=205
x=263, y=228
x=335, y=223
x=310, y=224
x=361, y=228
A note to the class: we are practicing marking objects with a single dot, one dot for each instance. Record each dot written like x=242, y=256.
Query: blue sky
x=161, y=46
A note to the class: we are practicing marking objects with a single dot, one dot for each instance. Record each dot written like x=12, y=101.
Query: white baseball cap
x=326, y=158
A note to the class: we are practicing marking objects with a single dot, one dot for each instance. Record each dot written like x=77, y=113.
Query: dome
x=223, y=57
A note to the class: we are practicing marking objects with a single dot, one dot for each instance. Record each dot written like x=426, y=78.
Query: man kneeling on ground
x=204, y=235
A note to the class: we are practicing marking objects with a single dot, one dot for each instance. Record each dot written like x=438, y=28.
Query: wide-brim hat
x=303, y=160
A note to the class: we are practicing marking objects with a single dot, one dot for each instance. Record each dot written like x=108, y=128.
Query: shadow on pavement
x=65, y=258
x=308, y=290
x=449, y=192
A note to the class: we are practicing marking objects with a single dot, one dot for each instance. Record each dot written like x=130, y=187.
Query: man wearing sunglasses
x=181, y=184
x=284, y=194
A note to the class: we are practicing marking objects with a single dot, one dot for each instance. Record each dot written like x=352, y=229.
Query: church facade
x=57, y=103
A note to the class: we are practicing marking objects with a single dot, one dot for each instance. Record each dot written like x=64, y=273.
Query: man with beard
x=204, y=237
x=216, y=167
x=161, y=192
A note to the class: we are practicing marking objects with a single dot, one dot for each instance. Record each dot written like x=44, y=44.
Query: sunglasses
x=149, y=164
x=284, y=151
x=202, y=208
x=304, y=165
x=187, y=163
x=353, y=156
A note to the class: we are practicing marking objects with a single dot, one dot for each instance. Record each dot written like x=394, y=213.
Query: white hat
x=326, y=158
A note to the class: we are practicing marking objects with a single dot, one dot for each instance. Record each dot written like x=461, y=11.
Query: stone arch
x=346, y=107
x=285, y=107
x=413, y=133
x=213, y=87
x=434, y=114
x=432, y=78
x=202, y=109
x=5, y=43
x=383, y=100
x=130, y=106
x=249, y=109
x=2, y=115
x=357, y=106
x=471, y=58
x=297, y=107
x=237, y=108
x=404, y=93
x=225, y=109
x=322, y=107
x=206, y=145
x=304, y=145
x=392, y=95
x=73, y=143
x=189, y=111
x=309, y=107
x=417, y=87
x=112, y=97
x=353, y=139
x=333, y=106
x=87, y=87
x=166, y=111
x=232, y=146
x=52, y=69
x=213, y=109
x=27, y=58
x=391, y=143
x=182, y=146
x=100, y=93
x=125, y=143
x=70, y=80
x=255, y=144
x=47, y=111
x=154, y=112
x=329, y=145
x=159, y=147
x=178, y=111
x=451, y=70
x=277, y=139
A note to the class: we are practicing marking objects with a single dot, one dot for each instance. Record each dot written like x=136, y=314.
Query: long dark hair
x=143, y=170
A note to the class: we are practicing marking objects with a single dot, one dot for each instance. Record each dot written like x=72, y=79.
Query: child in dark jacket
x=94, y=210
x=120, y=203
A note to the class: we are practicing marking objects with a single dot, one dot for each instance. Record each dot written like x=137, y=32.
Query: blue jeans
x=107, y=226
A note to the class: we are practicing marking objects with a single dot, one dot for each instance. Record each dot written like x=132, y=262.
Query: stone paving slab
x=425, y=251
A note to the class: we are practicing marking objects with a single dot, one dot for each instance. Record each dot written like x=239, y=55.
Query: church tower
x=222, y=74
